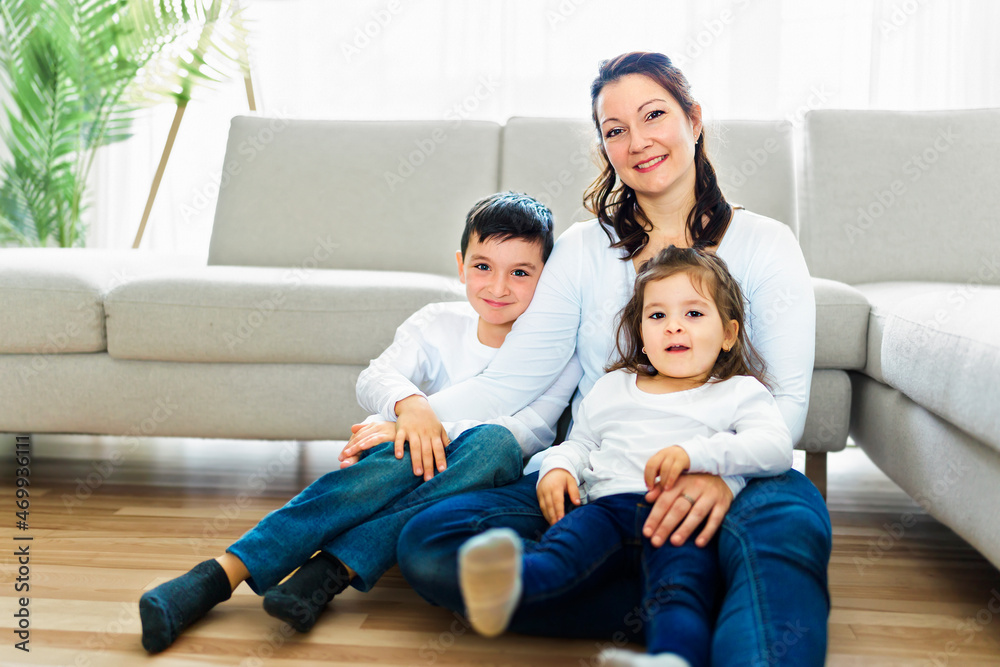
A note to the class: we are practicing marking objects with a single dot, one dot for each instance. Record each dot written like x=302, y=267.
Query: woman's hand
x=365, y=436
x=678, y=512
x=552, y=490
x=666, y=465
x=417, y=424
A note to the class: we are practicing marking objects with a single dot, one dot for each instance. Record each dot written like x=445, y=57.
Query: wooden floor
x=111, y=518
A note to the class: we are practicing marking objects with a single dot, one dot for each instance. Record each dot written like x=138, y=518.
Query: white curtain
x=492, y=59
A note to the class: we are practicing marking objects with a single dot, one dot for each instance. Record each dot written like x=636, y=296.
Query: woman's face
x=648, y=138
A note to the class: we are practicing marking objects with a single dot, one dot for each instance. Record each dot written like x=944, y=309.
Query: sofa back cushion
x=891, y=195
x=552, y=159
x=350, y=194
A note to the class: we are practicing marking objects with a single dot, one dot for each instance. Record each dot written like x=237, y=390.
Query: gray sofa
x=906, y=208
x=326, y=236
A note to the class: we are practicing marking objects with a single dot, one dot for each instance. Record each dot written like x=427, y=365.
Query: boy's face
x=500, y=277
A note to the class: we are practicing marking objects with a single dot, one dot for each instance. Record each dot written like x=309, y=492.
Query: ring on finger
x=688, y=498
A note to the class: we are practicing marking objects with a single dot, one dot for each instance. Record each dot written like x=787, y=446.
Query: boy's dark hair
x=712, y=279
x=510, y=215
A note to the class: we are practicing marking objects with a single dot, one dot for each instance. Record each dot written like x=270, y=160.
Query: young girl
x=686, y=396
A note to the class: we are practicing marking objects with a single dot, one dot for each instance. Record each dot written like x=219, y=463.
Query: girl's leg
x=606, y=604
x=774, y=549
x=496, y=578
x=680, y=597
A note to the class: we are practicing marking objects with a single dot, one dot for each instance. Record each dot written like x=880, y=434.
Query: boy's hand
x=366, y=436
x=667, y=465
x=417, y=424
x=552, y=490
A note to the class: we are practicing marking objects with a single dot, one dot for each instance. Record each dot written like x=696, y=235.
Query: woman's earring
x=644, y=349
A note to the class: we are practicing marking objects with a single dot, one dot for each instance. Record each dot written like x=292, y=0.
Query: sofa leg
x=816, y=470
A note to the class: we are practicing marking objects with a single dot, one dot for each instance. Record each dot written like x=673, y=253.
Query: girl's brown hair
x=615, y=203
x=711, y=277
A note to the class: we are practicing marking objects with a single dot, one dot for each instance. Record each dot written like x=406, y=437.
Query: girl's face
x=682, y=330
x=648, y=138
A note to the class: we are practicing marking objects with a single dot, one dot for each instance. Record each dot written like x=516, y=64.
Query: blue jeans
x=774, y=547
x=357, y=513
x=678, y=583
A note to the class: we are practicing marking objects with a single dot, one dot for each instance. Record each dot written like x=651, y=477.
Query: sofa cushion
x=884, y=298
x=52, y=297
x=841, y=325
x=942, y=350
x=267, y=315
x=350, y=194
x=897, y=195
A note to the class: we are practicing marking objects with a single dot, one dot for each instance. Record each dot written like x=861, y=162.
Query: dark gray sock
x=300, y=600
x=172, y=606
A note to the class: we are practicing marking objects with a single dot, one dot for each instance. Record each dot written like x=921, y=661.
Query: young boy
x=354, y=515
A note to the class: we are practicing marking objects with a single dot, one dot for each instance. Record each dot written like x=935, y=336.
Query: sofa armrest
x=841, y=325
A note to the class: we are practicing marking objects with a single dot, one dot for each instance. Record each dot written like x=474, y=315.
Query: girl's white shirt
x=585, y=284
x=731, y=427
x=439, y=346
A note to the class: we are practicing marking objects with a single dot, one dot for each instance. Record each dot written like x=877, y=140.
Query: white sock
x=616, y=657
x=489, y=574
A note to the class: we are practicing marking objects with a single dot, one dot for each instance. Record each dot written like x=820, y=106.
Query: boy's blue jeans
x=357, y=513
x=774, y=548
x=678, y=583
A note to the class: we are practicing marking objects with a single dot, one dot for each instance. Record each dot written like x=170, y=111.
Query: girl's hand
x=417, y=424
x=552, y=490
x=678, y=512
x=366, y=436
x=667, y=465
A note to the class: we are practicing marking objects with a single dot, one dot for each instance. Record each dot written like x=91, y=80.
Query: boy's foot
x=616, y=657
x=489, y=574
x=172, y=606
x=303, y=597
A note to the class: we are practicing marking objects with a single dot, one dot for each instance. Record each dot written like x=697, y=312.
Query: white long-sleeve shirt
x=585, y=284
x=732, y=427
x=437, y=347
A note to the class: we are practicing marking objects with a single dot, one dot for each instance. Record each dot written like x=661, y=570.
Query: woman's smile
x=650, y=164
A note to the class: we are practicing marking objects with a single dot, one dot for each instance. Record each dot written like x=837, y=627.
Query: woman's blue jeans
x=357, y=513
x=774, y=548
x=678, y=583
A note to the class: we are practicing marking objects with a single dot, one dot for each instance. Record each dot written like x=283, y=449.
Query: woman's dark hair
x=614, y=203
x=712, y=279
x=510, y=215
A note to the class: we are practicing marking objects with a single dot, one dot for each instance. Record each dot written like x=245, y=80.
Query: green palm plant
x=76, y=71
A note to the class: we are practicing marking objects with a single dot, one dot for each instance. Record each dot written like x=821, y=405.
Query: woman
x=657, y=189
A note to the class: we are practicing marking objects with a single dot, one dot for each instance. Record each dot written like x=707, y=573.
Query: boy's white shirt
x=439, y=346
x=732, y=427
